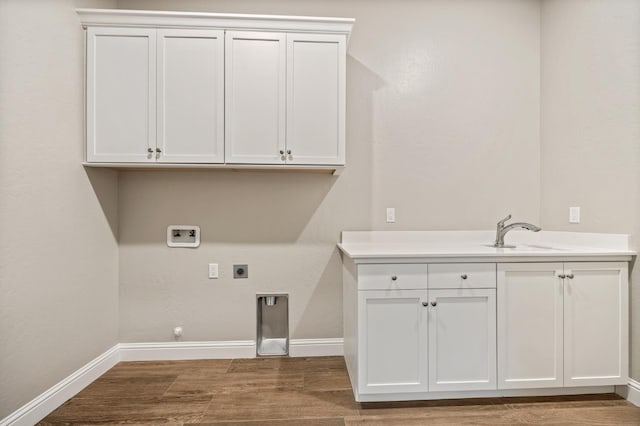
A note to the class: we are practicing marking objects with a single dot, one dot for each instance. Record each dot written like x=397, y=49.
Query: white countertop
x=543, y=245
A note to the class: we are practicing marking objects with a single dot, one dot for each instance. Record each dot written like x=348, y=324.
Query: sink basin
x=526, y=247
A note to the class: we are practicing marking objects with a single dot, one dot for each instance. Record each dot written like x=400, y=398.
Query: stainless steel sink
x=526, y=247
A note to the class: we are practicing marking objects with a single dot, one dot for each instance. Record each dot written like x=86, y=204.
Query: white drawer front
x=392, y=276
x=462, y=275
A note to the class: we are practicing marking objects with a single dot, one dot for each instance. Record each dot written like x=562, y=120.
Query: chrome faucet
x=502, y=230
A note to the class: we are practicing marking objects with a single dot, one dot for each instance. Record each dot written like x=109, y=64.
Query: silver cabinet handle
x=150, y=150
x=425, y=303
x=289, y=151
x=282, y=152
x=158, y=150
x=463, y=276
x=562, y=276
x=570, y=276
x=434, y=303
x=394, y=278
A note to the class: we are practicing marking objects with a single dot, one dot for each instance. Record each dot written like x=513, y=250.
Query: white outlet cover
x=574, y=214
x=185, y=230
x=391, y=215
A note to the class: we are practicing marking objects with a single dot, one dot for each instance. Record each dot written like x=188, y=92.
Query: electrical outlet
x=574, y=214
x=240, y=271
x=391, y=215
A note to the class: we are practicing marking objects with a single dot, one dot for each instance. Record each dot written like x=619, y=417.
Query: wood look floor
x=300, y=391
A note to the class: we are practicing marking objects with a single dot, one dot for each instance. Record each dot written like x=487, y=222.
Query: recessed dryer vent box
x=183, y=236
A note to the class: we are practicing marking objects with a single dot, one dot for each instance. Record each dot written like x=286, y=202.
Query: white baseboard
x=174, y=351
x=51, y=399
x=161, y=351
x=38, y=408
x=316, y=347
x=633, y=392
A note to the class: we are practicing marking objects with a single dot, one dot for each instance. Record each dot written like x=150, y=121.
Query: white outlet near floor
x=391, y=215
x=574, y=214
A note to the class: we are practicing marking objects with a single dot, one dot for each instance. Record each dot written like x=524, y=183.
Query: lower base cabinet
x=462, y=339
x=393, y=336
x=427, y=340
x=545, y=325
x=562, y=324
x=530, y=323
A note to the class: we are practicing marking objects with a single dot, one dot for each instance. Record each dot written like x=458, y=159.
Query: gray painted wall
x=591, y=123
x=58, y=222
x=442, y=124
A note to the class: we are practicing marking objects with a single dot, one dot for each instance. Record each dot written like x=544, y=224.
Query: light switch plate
x=574, y=214
x=213, y=270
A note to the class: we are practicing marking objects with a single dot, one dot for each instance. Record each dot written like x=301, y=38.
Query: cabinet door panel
x=462, y=340
x=596, y=324
x=121, y=94
x=315, y=98
x=393, y=338
x=255, y=90
x=530, y=330
x=191, y=96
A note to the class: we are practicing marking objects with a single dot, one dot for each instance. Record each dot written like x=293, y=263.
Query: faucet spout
x=501, y=230
x=523, y=225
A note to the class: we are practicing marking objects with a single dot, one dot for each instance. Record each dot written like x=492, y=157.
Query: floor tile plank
x=143, y=409
x=280, y=404
x=210, y=384
x=282, y=391
x=335, y=421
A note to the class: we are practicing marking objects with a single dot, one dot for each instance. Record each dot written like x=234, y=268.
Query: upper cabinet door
x=190, y=96
x=255, y=97
x=316, y=98
x=121, y=94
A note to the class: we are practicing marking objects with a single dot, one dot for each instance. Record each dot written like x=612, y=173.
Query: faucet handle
x=501, y=222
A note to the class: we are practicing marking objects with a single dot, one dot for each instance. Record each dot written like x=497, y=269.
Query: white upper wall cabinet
x=198, y=89
x=121, y=94
x=285, y=98
x=316, y=79
x=255, y=97
x=190, y=96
